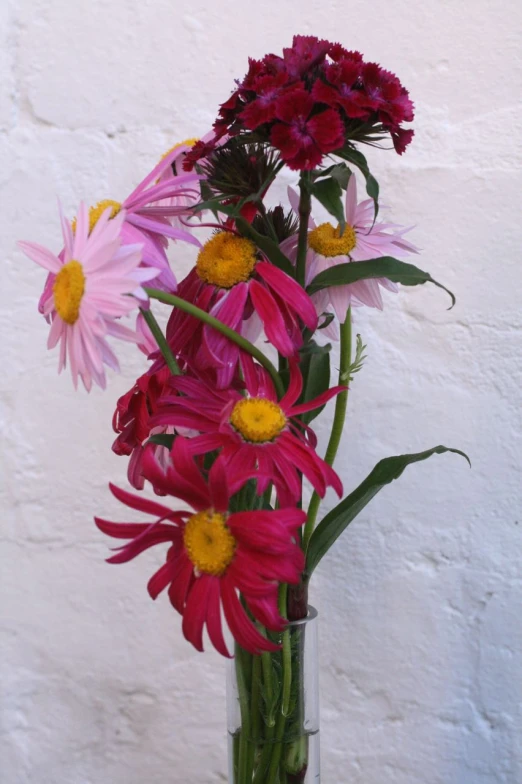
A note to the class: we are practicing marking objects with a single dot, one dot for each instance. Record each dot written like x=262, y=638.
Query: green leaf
x=216, y=204
x=163, y=439
x=328, y=192
x=385, y=267
x=339, y=171
x=357, y=158
x=335, y=522
x=268, y=246
x=315, y=367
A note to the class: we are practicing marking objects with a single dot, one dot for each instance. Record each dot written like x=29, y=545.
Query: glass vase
x=273, y=710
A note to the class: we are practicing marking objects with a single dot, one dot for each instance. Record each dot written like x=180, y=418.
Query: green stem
x=287, y=653
x=273, y=770
x=242, y=689
x=305, y=207
x=338, y=421
x=235, y=337
x=256, y=713
x=160, y=339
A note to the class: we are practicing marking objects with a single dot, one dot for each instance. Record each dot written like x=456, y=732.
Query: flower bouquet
x=221, y=426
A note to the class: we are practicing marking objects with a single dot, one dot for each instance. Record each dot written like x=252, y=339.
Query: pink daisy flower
x=96, y=280
x=213, y=553
x=233, y=283
x=362, y=240
x=148, y=212
x=256, y=433
x=183, y=200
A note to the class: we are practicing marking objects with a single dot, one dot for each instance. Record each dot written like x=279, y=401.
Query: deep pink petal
x=181, y=581
x=214, y=626
x=218, y=486
x=243, y=631
x=139, y=503
x=270, y=315
x=295, y=387
x=159, y=580
x=290, y=291
x=317, y=402
x=196, y=610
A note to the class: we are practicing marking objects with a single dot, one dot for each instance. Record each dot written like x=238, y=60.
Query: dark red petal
x=327, y=130
x=286, y=140
x=294, y=105
x=401, y=138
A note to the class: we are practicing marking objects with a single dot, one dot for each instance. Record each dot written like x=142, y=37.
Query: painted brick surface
x=421, y=602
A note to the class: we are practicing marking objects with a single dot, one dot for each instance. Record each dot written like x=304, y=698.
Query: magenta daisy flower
x=96, y=280
x=234, y=283
x=213, y=553
x=362, y=239
x=131, y=421
x=254, y=432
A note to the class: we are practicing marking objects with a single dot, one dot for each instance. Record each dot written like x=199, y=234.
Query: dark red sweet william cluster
x=311, y=101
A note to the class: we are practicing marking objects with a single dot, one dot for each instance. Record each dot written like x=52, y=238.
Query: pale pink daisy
x=362, y=239
x=148, y=214
x=96, y=280
x=184, y=201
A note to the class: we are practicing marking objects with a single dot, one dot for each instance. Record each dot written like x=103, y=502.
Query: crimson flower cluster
x=311, y=101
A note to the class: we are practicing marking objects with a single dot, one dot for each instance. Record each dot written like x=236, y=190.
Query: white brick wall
x=421, y=602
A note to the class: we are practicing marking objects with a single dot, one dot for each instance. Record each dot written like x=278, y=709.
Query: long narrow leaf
x=385, y=267
x=328, y=192
x=357, y=158
x=336, y=521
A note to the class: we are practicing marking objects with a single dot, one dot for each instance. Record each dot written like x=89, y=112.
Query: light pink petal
x=351, y=200
x=56, y=331
x=41, y=256
x=82, y=231
x=162, y=228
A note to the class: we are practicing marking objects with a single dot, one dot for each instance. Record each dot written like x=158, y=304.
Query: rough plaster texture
x=421, y=601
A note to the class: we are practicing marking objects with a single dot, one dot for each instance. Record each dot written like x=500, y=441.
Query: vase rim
x=311, y=616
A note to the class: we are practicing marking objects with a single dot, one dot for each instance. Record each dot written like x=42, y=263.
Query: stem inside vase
x=273, y=730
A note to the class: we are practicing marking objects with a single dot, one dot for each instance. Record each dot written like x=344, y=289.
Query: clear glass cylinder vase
x=273, y=710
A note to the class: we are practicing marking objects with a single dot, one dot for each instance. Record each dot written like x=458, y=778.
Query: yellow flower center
x=68, y=289
x=209, y=543
x=328, y=241
x=187, y=142
x=226, y=259
x=258, y=419
x=97, y=211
